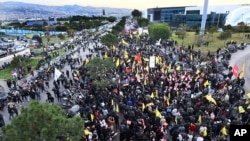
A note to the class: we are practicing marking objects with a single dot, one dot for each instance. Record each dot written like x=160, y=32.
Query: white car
x=18, y=48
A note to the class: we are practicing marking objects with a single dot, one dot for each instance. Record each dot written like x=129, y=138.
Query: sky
x=132, y=4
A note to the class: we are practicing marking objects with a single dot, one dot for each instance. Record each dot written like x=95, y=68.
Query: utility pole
x=203, y=23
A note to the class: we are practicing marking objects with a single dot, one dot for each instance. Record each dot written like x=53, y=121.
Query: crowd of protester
x=182, y=96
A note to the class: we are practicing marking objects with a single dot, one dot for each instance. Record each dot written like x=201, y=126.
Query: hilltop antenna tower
x=203, y=23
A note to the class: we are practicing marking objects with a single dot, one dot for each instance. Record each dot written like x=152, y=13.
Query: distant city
x=20, y=10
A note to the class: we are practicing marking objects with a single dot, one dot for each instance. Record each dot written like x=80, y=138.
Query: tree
x=142, y=22
x=212, y=29
x=109, y=40
x=228, y=28
x=225, y=35
x=159, y=30
x=136, y=13
x=111, y=19
x=43, y=122
x=61, y=36
x=241, y=27
x=99, y=69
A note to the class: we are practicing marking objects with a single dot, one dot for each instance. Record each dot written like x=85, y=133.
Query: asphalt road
x=9, y=58
x=240, y=57
x=43, y=95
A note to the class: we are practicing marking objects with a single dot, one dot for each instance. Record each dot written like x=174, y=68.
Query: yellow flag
x=105, y=55
x=145, y=81
x=86, y=61
x=242, y=71
x=152, y=95
x=143, y=107
x=156, y=93
x=241, y=109
x=114, y=48
x=248, y=107
x=117, y=62
x=178, y=68
x=197, y=71
x=191, y=57
x=125, y=54
x=117, y=108
x=199, y=119
x=210, y=99
x=92, y=117
x=86, y=132
x=146, y=59
x=223, y=131
x=112, y=102
x=248, y=95
x=124, y=42
x=204, y=133
x=157, y=61
x=206, y=84
x=130, y=35
x=157, y=113
x=147, y=68
x=167, y=101
x=176, y=120
x=169, y=66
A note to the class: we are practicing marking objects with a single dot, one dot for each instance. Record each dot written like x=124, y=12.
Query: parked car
x=3, y=94
x=232, y=48
x=50, y=48
x=3, y=53
x=17, y=48
x=242, y=46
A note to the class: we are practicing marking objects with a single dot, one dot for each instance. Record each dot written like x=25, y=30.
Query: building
x=192, y=15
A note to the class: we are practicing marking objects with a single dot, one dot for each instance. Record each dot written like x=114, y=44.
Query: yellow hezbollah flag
x=178, y=68
x=143, y=107
x=86, y=61
x=114, y=49
x=92, y=117
x=117, y=62
x=125, y=54
x=241, y=109
x=145, y=81
x=242, y=71
x=124, y=42
x=152, y=95
x=248, y=95
x=176, y=120
x=105, y=55
x=199, y=119
x=223, y=131
x=168, y=103
x=117, y=108
x=206, y=84
x=157, y=113
x=197, y=71
x=210, y=99
x=112, y=102
x=86, y=132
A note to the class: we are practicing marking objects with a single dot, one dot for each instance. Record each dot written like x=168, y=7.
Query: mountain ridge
x=10, y=9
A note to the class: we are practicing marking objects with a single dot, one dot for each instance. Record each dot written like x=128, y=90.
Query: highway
x=8, y=59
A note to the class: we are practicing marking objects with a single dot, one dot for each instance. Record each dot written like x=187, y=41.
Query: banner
x=235, y=70
x=57, y=74
x=152, y=61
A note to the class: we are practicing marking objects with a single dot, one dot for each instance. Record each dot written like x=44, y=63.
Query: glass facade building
x=175, y=16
